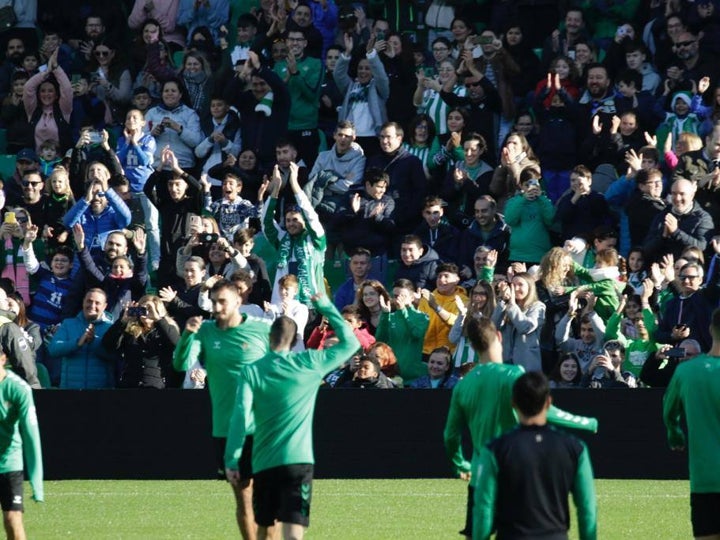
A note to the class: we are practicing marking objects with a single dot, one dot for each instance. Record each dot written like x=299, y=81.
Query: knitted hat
x=685, y=96
x=265, y=104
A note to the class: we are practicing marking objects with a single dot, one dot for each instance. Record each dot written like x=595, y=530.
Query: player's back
x=485, y=396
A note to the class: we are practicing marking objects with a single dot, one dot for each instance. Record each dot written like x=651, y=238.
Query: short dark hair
x=530, y=393
x=403, y=283
x=283, y=332
x=360, y=251
x=374, y=175
x=412, y=239
x=223, y=284
x=448, y=267
x=631, y=76
x=481, y=332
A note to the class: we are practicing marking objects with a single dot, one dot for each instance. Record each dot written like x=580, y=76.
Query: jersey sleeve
x=453, y=435
x=239, y=423
x=672, y=413
x=485, y=495
x=583, y=493
x=561, y=418
x=31, y=441
x=187, y=351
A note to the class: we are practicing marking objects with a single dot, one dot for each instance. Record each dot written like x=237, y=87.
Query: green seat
x=7, y=166
x=177, y=58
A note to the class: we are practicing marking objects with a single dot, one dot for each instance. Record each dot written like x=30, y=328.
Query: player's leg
x=266, y=504
x=11, y=501
x=467, y=530
x=244, y=513
x=13, y=523
x=295, y=499
x=704, y=515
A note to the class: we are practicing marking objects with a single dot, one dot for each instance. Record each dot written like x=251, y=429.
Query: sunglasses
x=684, y=43
x=102, y=53
x=26, y=184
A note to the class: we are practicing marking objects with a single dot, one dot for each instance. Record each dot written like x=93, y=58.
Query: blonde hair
x=58, y=171
x=136, y=328
x=551, y=272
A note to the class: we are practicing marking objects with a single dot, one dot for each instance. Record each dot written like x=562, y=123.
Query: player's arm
x=238, y=430
x=334, y=356
x=31, y=441
x=485, y=495
x=672, y=413
x=565, y=419
x=188, y=349
x=583, y=493
x=453, y=437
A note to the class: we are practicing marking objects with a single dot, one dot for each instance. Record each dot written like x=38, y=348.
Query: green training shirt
x=223, y=352
x=694, y=392
x=280, y=390
x=19, y=432
x=482, y=401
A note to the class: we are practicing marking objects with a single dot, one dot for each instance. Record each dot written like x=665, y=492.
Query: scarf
x=302, y=250
x=14, y=269
x=195, y=84
x=359, y=94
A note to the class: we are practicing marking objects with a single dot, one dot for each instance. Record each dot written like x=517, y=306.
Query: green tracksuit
x=524, y=478
x=280, y=390
x=482, y=401
x=223, y=353
x=304, y=88
x=404, y=330
x=694, y=392
x=636, y=350
x=19, y=432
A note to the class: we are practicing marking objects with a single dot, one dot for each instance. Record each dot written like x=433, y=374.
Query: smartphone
x=75, y=78
x=486, y=40
x=137, y=311
x=193, y=225
x=100, y=73
x=10, y=217
x=95, y=137
x=380, y=35
x=429, y=72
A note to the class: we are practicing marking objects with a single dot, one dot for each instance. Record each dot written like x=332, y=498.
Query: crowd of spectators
x=553, y=166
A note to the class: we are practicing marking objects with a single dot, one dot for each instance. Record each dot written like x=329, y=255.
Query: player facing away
x=694, y=393
x=225, y=344
x=280, y=389
x=19, y=435
x=482, y=402
x=525, y=476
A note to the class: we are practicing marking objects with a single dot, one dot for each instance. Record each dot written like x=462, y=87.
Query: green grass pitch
x=341, y=509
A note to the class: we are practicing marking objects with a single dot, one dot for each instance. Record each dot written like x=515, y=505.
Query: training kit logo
x=306, y=494
x=17, y=499
x=217, y=345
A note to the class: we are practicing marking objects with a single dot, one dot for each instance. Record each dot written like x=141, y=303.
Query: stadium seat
x=7, y=165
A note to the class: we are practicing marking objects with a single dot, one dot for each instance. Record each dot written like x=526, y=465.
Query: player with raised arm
x=482, y=402
x=280, y=390
x=225, y=344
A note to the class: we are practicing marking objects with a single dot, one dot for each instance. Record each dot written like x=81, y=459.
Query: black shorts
x=245, y=462
x=467, y=531
x=704, y=513
x=11, y=491
x=283, y=494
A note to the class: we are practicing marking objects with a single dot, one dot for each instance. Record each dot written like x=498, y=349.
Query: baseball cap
x=26, y=154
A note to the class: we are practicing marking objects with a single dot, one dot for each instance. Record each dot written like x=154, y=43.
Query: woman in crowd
x=519, y=319
x=175, y=124
x=368, y=300
x=199, y=81
x=48, y=101
x=567, y=372
x=482, y=304
x=145, y=337
x=427, y=95
x=111, y=84
x=515, y=156
x=422, y=143
x=439, y=371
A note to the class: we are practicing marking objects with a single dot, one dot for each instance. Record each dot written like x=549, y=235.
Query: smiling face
x=409, y=253
x=344, y=138
x=433, y=215
x=446, y=283
x=440, y=51
x=445, y=70
x=562, y=68
x=32, y=186
x=597, y=82
x=231, y=188
x=363, y=72
x=484, y=213
x=390, y=140
x=120, y=268
x=296, y=43
x=151, y=33
x=455, y=121
x=247, y=160
x=134, y=121
x=47, y=94
x=376, y=190
x=171, y=94
x=472, y=152
x=192, y=273
x=460, y=31
x=177, y=187
x=115, y=245
x=294, y=223
x=521, y=287
x=438, y=365
x=635, y=261
x=94, y=305
x=370, y=297
x=367, y=370
x=683, y=196
x=60, y=266
x=569, y=369
x=192, y=65
x=103, y=55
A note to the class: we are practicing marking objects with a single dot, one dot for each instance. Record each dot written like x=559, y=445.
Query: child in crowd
x=49, y=157
x=592, y=331
x=603, y=281
x=141, y=99
x=60, y=200
x=232, y=212
x=680, y=120
x=290, y=306
x=321, y=334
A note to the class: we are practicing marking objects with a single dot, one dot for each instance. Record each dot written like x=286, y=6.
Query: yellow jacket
x=439, y=330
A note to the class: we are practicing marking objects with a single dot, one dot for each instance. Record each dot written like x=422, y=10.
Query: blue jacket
x=137, y=160
x=87, y=366
x=97, y=227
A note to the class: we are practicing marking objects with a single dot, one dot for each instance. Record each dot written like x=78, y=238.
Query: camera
x=675, y=352
x=208, y=238
x=137, y=311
